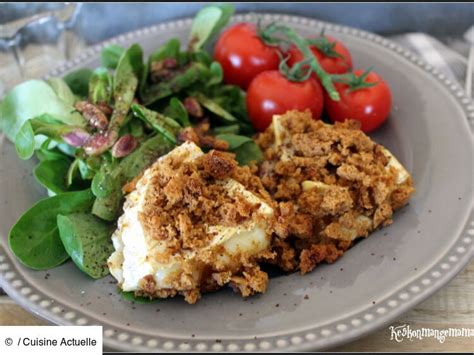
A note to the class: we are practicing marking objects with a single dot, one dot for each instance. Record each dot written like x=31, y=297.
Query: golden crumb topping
x=188, y=196
x=193, y=223
x=332, y=184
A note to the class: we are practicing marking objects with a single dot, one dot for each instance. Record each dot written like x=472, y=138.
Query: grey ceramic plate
x=430, y=131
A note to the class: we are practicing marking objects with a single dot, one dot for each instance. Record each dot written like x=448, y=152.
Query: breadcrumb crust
x=351, y=189
x=328, y=185
x=184, y=197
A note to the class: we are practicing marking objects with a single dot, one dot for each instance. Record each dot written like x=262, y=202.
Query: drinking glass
x=35, y=38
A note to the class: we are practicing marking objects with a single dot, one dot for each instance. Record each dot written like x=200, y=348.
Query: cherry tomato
x=371, y=106
x=271, y=93
x=332, y=65
x=243, y=55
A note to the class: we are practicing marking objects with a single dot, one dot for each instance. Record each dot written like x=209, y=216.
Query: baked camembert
x=332, y=184
x=194, y=223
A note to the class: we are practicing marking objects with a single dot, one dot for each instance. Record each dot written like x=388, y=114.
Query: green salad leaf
x=193, y=73
x=100, y=86
x=78, y=81
x=49, y=150
x=169, y=50
x=201, y=56
x=110, y=56
x=247, y=153
x=130, y=296
x=72, y=172
x=40, y=117
x=136, y=128
x=125, y=83
x=44, y=125
x=178, y=112
x=34, y=239
x=232, y=98
x=245, y=148
x=52, y=174
x=25, y=141
x=49, y=154
x=234, y=140
x=129, y=167
x=62, y=90
x=67, y=149
x=130, y=62
x=102, y=183
x=228, y=129
x=217, y=74
x=162, y=124
x=87, y=241
x=85, y=170
x=207, y=23
x=31, y=99
x=214, y=107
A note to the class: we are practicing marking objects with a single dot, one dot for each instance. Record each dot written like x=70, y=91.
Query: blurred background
x=36, y=37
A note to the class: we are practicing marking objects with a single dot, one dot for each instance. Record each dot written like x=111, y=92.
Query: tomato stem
x=325, y=78
x=270, y=36
x=280, y=35
x=324, y=46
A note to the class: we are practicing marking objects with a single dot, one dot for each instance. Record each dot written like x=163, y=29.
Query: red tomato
x=332, y=65
x=271, y=93
x=243, y=55
x=371, y=106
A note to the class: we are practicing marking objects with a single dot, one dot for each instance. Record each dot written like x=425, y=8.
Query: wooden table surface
x=451, y=307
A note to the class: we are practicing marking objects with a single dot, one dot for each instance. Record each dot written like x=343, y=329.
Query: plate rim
x=445, y=268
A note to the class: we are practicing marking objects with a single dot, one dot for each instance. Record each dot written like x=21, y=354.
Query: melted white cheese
x=134, y=250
